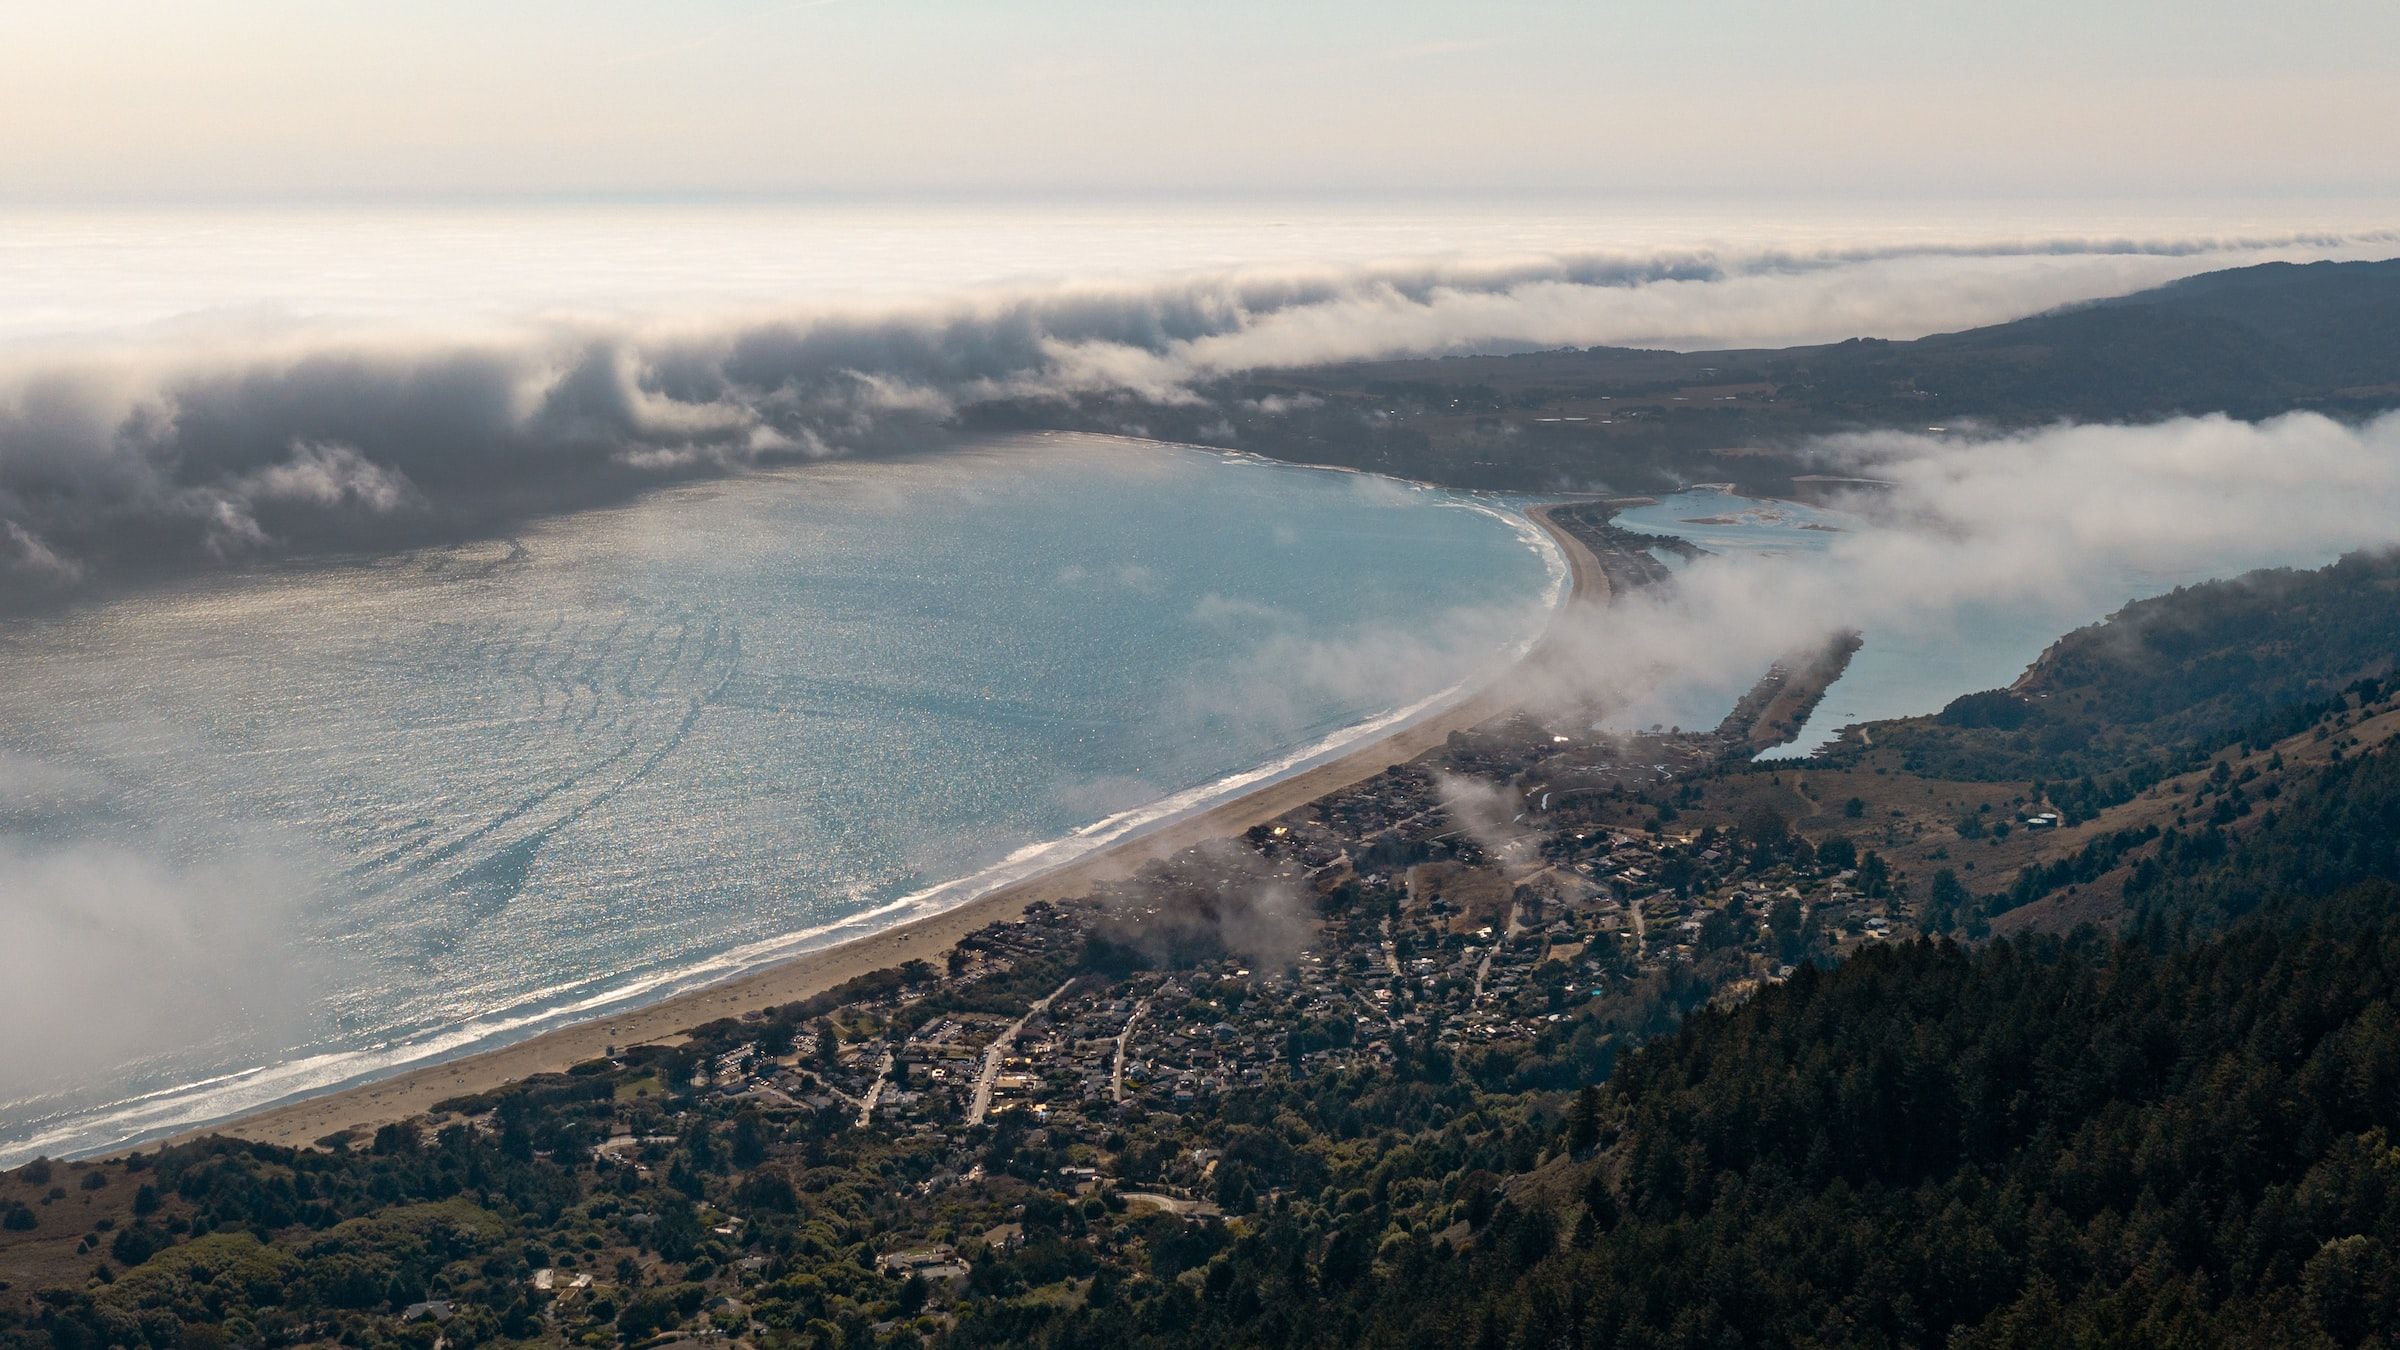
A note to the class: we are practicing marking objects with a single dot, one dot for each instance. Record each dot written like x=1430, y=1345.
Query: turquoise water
x=279, y=831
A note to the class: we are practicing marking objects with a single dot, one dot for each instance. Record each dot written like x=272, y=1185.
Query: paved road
x=866, y=1104
x=1116, y=1078
x=1483, y=969
x=998, y=1050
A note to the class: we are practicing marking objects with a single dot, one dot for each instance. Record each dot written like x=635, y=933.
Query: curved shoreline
x=413, y=1092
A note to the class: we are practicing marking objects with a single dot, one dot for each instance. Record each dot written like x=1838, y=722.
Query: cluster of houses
x=1418, y=932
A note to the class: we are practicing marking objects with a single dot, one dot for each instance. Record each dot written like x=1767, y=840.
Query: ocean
x=293, y=826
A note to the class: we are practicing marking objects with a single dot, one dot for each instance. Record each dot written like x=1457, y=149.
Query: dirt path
x=1508, y=931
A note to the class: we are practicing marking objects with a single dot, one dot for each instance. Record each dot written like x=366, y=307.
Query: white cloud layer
x=198, y=444
x=119, y=946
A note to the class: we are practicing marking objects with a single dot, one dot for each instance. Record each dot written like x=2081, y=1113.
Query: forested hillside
x=2040, y=1143
x=2130, y=700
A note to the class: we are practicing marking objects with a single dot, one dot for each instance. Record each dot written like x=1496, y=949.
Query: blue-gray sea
x=284, y=829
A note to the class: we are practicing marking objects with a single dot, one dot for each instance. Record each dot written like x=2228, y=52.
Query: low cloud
x=29, y=559
x=136, y=941
x=33, y=786
x=329, y=476
x=1491, y=815
x=1277, y=688
x=198, y=445
x=1219, y=899
x=1279, y=405
x=1233, y=612
x=2045, y=521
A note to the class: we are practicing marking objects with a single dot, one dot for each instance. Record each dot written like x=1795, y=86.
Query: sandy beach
x=415, y=1092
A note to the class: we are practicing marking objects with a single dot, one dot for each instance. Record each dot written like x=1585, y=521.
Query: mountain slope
x=2253, y=342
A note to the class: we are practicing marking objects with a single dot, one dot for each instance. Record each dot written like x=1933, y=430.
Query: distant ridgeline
x=2252, y=342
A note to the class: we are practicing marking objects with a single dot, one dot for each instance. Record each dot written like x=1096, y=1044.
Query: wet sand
x=414, y=1093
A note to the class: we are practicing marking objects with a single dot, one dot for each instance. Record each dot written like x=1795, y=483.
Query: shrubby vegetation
x=2115, y=708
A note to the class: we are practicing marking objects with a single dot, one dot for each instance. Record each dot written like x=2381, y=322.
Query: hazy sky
x=231, y=99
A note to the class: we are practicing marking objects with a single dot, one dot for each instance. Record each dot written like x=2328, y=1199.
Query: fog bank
x=2027, y=519
x=229, y=439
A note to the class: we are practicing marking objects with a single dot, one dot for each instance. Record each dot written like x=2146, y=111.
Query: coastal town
x=1089, y=1071
x=1469, y=947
